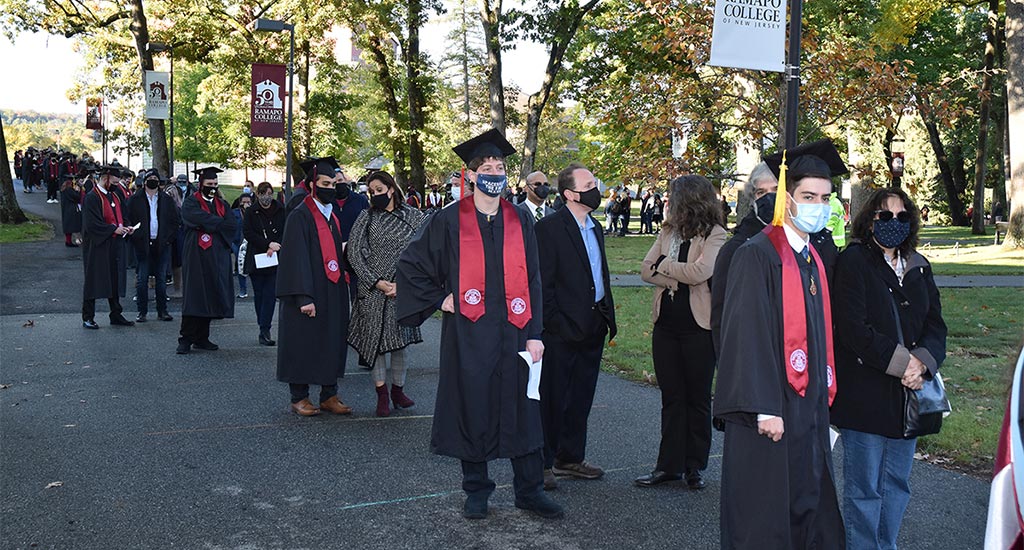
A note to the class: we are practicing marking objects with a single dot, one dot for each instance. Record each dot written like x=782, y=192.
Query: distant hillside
x=12, y=117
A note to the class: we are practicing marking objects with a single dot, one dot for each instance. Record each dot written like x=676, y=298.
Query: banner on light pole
x=94, y=113
x=749, y=34
x=267, y=111
x=158, y=93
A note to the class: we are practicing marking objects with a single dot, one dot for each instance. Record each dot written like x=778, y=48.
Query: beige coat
x=695, y=271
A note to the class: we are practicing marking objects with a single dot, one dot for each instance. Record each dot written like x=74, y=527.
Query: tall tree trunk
x=562, y=38
x=956, y=206
x=1015, y=124
x=980, y=165
x=1002, y=132
x=157, y=133
x=417, y=119
x=10, y=212
x=395, y=118
x=490, y=15
x=465, y=60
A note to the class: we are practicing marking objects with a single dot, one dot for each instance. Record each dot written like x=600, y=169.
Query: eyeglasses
x=885, y=215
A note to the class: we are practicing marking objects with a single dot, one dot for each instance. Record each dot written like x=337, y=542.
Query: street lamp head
x=158, y=47
x=270, y=25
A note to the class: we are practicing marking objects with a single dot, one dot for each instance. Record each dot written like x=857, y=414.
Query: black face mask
x=325, y=195
x=591, y=198
x=152, y=184
x=764, y=208
x=380, y=202
x=542, y=191
x=341, y=191
x=209, y=191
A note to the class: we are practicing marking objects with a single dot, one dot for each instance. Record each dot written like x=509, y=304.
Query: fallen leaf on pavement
x=53, y=484
x=4, y=386
x=29, y=324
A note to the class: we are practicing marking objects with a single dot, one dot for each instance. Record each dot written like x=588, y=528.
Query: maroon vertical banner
x=94, y=113
x=268, y=90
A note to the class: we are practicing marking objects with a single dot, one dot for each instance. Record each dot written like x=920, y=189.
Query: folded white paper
x=533, y=384
x=833, y=436
x=262, y=260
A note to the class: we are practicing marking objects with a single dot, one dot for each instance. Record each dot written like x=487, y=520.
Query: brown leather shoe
x=305, y=408
x=335, y=406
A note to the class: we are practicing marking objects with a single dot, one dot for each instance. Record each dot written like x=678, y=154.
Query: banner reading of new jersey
x=158, y=95
x=267, y=119
x=749, y=34
x=94, y=113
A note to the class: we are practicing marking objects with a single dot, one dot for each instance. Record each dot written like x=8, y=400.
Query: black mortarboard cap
x=208, y=173
x=488, y=144
x=111, y=169
x=317, y=166
x=815, y=159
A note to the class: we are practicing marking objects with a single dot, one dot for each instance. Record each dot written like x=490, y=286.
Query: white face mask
x=456, y=193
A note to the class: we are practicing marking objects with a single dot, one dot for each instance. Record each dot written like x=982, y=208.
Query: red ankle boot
x=383, y=408
x=399, y=398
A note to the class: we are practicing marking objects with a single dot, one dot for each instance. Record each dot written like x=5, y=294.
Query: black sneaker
x=207, y=346
x=475, y=507
x=184, y=347
x=581, y=470
x=120, y=321
x=164, y=316
x=91, y=325
x=140, y=318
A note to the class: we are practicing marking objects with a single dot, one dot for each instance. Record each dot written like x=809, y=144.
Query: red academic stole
x=794, y=317
x=328, y=249
x=111, y=208
x=472, y=273
x=205, y=239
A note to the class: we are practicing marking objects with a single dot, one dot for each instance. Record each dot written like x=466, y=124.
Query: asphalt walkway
x=110, y=440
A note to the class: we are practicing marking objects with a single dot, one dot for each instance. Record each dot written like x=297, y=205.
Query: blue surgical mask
x=810, y=218
x=491, y=184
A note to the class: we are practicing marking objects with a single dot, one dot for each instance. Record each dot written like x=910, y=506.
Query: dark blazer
x=261, y=227
x=168, y=220
x=568, y=285
x=870, y=360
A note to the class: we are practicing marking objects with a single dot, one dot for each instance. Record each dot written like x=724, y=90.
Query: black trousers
x=52, y=186
x=264, y=296
x=301, y=391
x=685, y=365
x=566, y=395
x=195, y=329
x=89, y=308
x=527, y=481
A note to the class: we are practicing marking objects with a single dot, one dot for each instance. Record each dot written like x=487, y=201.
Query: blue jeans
x=153, y=261
x=876, y=488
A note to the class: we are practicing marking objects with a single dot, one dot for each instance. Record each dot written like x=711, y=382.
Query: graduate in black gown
x=71, y=197
x=207, y=291
x=776, y=376
x=478, y=262
x=311, y=286
x=103, y=236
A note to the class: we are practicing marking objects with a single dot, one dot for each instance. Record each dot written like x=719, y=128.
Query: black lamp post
x=272, y=25
x=157, y=47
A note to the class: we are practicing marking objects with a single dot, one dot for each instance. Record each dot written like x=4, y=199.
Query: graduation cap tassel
x=462, y=183
x=780, y=195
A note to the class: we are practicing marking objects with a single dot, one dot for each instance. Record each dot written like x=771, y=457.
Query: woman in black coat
x=71, y=195
x=889, y=337
x=263, y=228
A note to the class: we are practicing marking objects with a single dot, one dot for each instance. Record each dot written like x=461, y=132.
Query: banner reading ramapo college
x=158, y=92
x=749, y=34
x=267, y=119
x=94, y=113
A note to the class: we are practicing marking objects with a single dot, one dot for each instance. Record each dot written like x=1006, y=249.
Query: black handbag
x=923, y=409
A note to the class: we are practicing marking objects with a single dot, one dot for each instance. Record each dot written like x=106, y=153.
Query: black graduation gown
x=101, y=250
x=481, y=411
x=774, y=495
x=208, y=289
x=70, y=210
x=310, y=350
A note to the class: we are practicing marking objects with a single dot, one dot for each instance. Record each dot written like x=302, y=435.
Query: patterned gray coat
x=377, y=240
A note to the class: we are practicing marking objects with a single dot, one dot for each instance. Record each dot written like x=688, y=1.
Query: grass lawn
x=35, y=229
x=985, y=333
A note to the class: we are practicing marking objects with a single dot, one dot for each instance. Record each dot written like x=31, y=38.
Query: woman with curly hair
x=680, y=264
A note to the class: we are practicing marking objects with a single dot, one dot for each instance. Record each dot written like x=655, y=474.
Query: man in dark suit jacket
x=578, y=313
x=158, y=220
